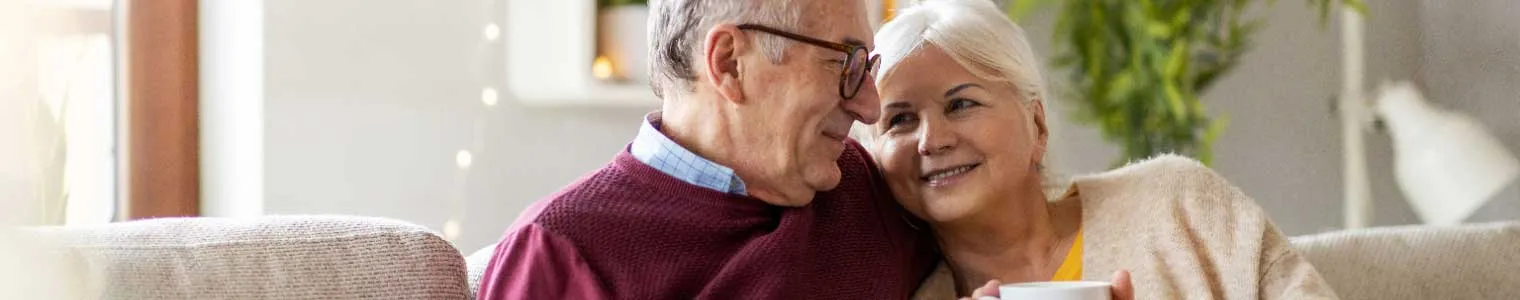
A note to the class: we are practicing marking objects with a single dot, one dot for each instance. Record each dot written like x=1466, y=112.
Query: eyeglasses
x=856, y=67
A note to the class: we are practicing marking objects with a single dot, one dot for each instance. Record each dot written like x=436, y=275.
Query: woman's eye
x=899, y=119
x=962, y=103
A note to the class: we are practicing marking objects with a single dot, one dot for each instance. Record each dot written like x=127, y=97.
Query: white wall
x=368, y=101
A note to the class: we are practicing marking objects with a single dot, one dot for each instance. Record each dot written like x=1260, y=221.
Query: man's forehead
x=839, y=20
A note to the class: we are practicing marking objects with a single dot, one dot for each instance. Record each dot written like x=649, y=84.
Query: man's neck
x=703, y=129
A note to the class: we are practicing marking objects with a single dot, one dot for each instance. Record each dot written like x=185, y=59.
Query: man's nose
x=866, y=106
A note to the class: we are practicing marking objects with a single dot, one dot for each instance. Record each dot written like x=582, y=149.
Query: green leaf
x=1210, y=135
x=1020, y=9
x=1356, y=5
x=1156, y=29
x=1176, y=61
x=1174, y=102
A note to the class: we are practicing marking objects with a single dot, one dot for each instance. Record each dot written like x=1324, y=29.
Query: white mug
x=1056, y=290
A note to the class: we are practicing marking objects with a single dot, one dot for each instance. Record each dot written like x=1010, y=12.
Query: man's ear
x=724, y=45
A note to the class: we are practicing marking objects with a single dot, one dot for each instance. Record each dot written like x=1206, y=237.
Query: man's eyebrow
x=853, y=41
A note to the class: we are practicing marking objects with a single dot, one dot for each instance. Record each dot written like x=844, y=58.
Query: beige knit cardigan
x=1183, y=232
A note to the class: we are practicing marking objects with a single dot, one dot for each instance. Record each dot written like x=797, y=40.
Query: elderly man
x=743, y=186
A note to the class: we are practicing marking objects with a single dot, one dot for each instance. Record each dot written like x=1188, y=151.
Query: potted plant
x=622, y=38
x=1138, y=67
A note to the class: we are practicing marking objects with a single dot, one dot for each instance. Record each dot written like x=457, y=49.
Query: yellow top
x=1071, y=268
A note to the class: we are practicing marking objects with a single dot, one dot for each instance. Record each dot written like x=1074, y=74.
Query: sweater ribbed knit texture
x=651, y=236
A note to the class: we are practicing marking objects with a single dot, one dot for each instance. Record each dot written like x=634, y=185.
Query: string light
x=488, y=96
x=601, y=68
x=464, y=159
x=451, y=230
x=492, y=32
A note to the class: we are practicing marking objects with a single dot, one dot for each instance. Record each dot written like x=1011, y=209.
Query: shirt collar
x=657, y=150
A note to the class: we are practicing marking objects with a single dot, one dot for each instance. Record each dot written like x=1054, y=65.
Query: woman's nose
x=934, y=138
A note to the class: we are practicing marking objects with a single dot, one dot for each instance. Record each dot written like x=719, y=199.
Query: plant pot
x=622, y=36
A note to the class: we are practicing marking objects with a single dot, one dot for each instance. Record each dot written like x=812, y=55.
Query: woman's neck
x=1024, y=239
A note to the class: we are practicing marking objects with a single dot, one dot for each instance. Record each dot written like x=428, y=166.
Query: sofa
x=277, y=257
x=345, y=257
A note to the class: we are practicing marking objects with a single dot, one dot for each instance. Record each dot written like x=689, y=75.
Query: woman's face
x=951, y=144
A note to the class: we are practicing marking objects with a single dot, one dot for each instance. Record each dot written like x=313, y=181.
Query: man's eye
x=833, y=64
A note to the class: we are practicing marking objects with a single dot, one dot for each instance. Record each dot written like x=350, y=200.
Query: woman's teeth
x=951, y=172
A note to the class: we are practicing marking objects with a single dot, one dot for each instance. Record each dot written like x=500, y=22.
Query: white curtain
x=31, y=181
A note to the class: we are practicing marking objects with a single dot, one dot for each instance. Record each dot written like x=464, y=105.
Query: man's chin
x=824, y=179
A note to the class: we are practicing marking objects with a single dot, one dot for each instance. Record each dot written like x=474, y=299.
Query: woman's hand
x=987, y=291
x=1121, y=288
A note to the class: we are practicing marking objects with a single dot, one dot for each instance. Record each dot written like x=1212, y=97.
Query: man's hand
x=1120, y=287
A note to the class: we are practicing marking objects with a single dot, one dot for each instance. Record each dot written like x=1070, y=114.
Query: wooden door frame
x=163, y=135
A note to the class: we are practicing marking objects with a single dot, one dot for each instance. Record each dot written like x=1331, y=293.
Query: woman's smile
x=948, y=176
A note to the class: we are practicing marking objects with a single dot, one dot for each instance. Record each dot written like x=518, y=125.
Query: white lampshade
x=1446, y=163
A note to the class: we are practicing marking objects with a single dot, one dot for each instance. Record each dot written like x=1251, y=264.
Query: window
x=76, y=78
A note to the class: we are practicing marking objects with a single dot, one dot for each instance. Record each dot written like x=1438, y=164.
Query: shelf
x=550, y=46
x=597, y=95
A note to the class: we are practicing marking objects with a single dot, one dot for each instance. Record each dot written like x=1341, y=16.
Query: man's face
x=797, y=120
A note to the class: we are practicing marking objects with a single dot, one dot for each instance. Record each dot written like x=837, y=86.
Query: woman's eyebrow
x=961, y=87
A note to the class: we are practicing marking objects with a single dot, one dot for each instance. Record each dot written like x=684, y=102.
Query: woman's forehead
x=928, y=72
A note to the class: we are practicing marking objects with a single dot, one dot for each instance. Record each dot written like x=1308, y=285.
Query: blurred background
x=457, y=114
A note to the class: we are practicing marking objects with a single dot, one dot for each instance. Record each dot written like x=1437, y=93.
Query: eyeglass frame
x=848, y=49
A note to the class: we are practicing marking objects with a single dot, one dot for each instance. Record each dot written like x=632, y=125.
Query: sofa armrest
x=1475, y=261
x=278, y=257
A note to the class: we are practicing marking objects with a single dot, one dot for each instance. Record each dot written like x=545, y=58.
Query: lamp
x=1445, y=162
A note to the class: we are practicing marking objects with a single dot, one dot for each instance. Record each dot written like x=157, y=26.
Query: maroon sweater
x=629, y=231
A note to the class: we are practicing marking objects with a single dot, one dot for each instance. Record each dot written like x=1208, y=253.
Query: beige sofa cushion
x=280, y=257
x=476, y=264
x=1478, y=261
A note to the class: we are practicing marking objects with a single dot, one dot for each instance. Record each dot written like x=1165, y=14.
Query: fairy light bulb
x=601, y=68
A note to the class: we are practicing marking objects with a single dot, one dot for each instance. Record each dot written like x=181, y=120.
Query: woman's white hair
x=975, y=34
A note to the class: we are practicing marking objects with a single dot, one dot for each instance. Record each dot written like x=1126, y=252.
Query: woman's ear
x=724, y=45
x=1042, y=132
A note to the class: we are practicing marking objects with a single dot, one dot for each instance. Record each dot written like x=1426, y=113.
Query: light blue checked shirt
x=655, y=149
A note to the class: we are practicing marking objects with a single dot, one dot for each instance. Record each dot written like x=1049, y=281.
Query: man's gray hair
x=678, y=28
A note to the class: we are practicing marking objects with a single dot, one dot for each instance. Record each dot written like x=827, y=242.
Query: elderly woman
x=961, y=142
